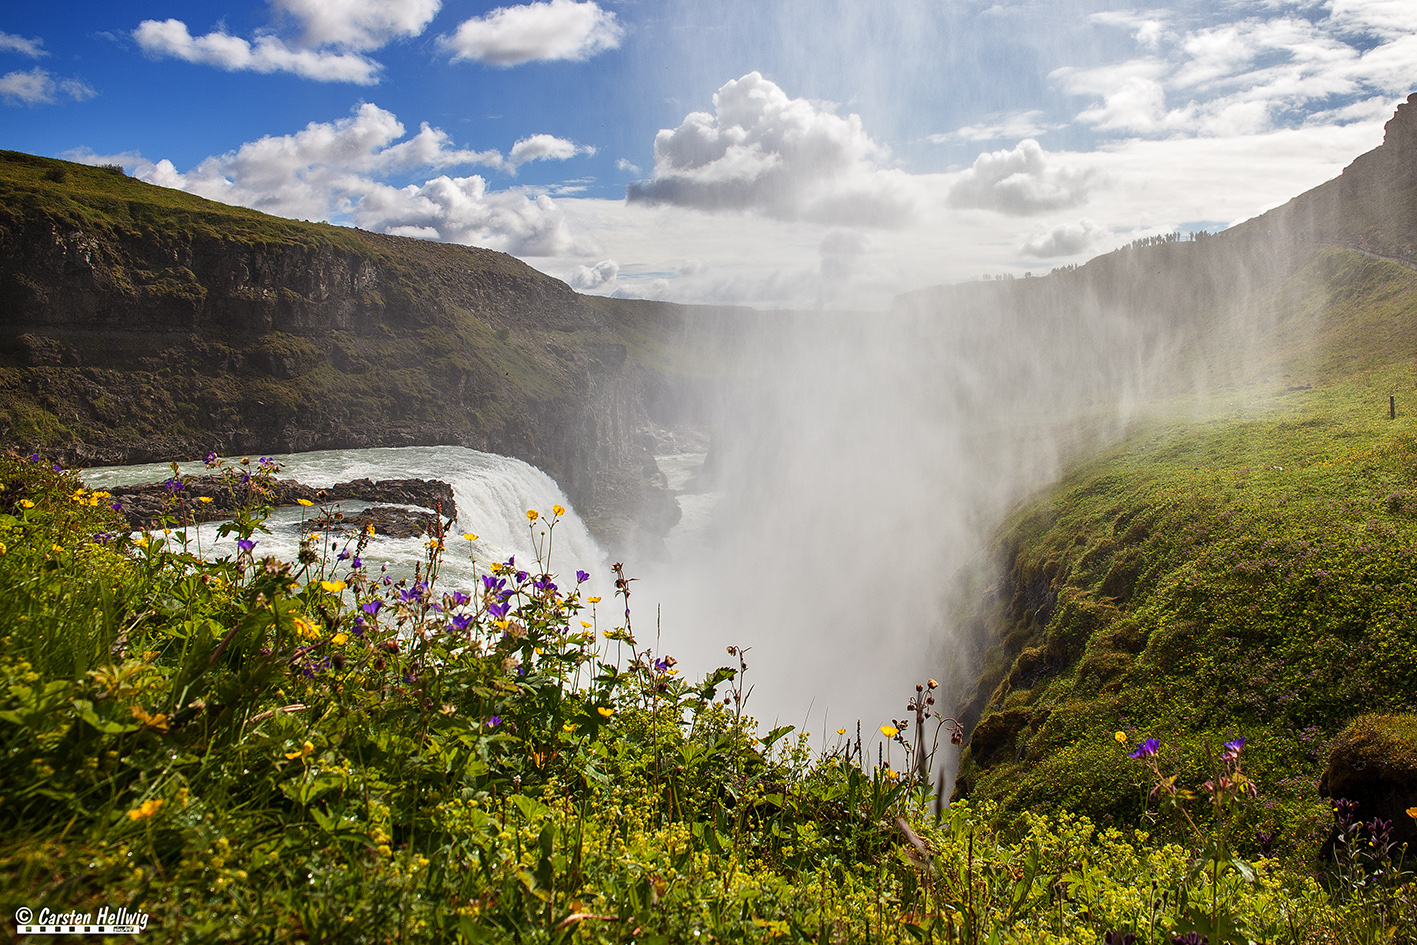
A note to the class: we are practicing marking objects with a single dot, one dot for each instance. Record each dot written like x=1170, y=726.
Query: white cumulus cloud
x=600, y=276
x=171, y=38
x=786, y=158
x=359, y=24
x=34, y=48
x=1270, y=66
x=550, y=30
x=545, y=148
x=39, y=87
x=337, y=171
x=1021, y=182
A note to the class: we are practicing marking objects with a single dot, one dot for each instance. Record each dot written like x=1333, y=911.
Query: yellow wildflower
x=593, y=600
x=145, y=810
x=57, y=549
x=340, y=639
x=332, y=587
x=305, y=629
x=469, y=536
x=305, y=751
x=605, y=711
x=892, y=775
x=495, y=567
x=26, y=504
x=2, y=547
x=204, y=498
x=141, y=541
x=841, y=731
x=1412, y=812
x=568, y=727
x=532, y=515
x=370, y=529
x=890, y=731
x=1120, y=738
x=157, y=723
x=559, y=510
x=586, y=623
x=305, y=502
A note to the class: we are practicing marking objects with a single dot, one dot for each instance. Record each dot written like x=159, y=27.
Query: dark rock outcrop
x=1373, y=765
x=213, y=498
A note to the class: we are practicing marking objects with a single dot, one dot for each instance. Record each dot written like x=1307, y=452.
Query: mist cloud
x=1021, y=182
x=1067, y=239
x=782, y=157
x=556, y=29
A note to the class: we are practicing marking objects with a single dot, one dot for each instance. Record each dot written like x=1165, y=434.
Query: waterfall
x=493, y=494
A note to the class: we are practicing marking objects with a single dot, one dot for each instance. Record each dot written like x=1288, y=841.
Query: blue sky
x=774, y=152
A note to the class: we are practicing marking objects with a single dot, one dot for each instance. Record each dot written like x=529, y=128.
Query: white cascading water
x=493, y=494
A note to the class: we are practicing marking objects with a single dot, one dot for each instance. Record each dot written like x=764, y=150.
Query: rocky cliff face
x=140, y=324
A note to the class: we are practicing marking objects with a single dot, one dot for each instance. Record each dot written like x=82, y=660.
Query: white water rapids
x=493, y=494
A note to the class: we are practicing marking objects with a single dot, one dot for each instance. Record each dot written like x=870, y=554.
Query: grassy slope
x=1250, y=574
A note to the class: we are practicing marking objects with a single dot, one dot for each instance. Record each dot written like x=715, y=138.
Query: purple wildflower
x=173, y=485
x=57, y=468
x=245, y=544
x=582, y=577
x=34, y=457
x=522, y=576
x=372, y=608
x=356, y=563
x=459, y=598
x=1146, y=749
x=210, y=458
x=1232, y=749
x=342, y=556
x=460, y=622
x=495, y=721
x=498, y=611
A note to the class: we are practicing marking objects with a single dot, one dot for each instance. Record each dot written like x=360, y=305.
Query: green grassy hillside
x=1252, y=573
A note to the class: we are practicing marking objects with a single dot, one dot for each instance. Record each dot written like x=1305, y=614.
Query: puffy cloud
x=1068, y=239
x=545, y=148
x=359, y=24
x=782, y=157
x=268, y=54
x=1021, y=182
x=600, y=276
x=334, y=171
x=39, y=87
x=33, y=48
x=463, y=210
x=624, y=165
x=556, y=29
